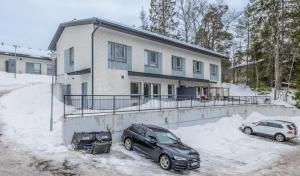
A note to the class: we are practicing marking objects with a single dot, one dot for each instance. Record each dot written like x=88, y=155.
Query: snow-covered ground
x=224, y=149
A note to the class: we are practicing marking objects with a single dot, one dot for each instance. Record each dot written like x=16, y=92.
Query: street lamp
x=16, y=46
x=53, y=56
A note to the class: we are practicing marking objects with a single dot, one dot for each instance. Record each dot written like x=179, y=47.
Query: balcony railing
x=101, y=104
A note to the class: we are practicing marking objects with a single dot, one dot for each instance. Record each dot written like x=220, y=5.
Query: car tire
x=128, y=144
x=165, y=162
x=248, y=130
x=279, y=137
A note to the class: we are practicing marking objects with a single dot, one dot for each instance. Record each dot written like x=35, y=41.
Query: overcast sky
x=32, y=23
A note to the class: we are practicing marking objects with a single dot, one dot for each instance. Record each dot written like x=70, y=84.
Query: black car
x=160, y=145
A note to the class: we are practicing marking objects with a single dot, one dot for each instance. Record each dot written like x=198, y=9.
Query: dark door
x=11, y=66
x=148, y=147
x=147, y=90
x=68, y=92
x=84, y=92
x=138, y=138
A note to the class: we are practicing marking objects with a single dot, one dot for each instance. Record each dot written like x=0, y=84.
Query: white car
x=279, y=129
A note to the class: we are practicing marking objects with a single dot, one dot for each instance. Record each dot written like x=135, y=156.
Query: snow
x=239, y=90
x=26, y=51
x=224, y=139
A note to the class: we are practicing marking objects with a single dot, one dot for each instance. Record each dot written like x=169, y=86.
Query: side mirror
x=152, y=140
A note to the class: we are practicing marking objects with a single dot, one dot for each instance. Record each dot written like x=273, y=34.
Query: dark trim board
x=152, y=75
x=133, y=31
x=80, y=72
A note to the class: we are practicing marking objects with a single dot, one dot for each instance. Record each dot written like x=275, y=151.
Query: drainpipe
x=98, y=24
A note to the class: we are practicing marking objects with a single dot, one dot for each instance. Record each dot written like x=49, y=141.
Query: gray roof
x=132, y=31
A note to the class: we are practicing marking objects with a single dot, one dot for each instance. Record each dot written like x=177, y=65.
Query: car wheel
x=248, y=130
x=165, y=162
x=128, y=144
x=279, y=137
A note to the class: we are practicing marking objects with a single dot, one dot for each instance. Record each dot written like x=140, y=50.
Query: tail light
x=290, y=132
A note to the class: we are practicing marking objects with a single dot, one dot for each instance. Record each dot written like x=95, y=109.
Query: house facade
x=24, y=63
x=100, y=57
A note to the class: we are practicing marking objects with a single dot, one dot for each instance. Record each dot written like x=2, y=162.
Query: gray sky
x=32, y=23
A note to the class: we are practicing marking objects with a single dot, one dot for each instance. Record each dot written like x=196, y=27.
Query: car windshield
x=166, y=138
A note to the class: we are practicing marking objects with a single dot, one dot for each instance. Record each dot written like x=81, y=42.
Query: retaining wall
x=171, y=119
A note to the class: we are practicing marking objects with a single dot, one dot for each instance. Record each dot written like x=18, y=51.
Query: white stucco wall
x=112, y=81
x=21, y=63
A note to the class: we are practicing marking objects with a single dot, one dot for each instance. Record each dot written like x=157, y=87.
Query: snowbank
x=223, y=139
x=239, y=90
x=9, y=82
x=26, y=115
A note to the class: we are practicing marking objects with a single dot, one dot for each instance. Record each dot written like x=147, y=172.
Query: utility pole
x=53, y=58
x=16, y=46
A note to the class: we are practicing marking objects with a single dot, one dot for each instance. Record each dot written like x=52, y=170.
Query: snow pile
x=223, y=139
x=26, y=115
x=9, y=82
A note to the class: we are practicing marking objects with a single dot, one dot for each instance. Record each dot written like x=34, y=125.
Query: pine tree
x=162, y=17
x=144, y=19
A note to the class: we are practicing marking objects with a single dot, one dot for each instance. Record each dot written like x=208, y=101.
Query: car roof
x=153, y=127
x=279, y=121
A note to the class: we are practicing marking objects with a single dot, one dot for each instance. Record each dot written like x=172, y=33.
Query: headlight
x=179, y=158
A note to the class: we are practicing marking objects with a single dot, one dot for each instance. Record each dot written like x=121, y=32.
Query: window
x=151, y=58
x=50, y=69
x=274, y=125
x=147, y=90
x=33, y=68
x=170, y=90
x=71, y=55
x=198, y=67
x=214, y=72
x=177, y=63
x=156, y=90
x=134, y=88
x=117, y=52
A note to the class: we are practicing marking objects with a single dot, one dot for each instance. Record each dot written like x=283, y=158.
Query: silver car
x=278, y=129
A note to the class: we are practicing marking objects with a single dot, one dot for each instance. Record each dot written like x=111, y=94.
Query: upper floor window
x=71, y=55
x=151, y=58
x=177, y=63
x=198, y=66
x=117, y=52
x=214, y=72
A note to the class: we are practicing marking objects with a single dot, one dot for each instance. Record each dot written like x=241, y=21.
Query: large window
x=156, y=90
x=151, y=58
x=214, y=72
x=50, y=69
x=33, y=68
x=134, y=88
x=71, y=55
x=198, y=66
x=177, y=63
x=117, y=52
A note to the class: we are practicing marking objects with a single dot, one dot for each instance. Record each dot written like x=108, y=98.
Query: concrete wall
x=21, y=63
x=166, y=118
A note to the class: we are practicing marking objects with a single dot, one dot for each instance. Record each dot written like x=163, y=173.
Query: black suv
x=162, y=146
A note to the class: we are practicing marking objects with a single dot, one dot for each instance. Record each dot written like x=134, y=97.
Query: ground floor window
x=170, y=91
x=33, y=68
x=147, y=90
x=156, y=90
x=50, y=69
x=134, y=88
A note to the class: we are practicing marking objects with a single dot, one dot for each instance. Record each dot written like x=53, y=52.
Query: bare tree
x=144, y=19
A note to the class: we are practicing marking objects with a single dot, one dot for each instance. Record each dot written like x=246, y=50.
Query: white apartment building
x=100, y=57
x=25, y=63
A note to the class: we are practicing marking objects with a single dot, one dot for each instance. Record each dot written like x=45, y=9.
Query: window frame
x=53, y=69
x=214, y=68
x=175, y=60
x=113, y=52
x=159, y=90
x=34, y=70
x=71, y=56
x=195, y=65
x=172, y=89
x=148, y=58
x=138, y=86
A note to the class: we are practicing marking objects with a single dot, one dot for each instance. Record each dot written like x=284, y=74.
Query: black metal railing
x=88, y=104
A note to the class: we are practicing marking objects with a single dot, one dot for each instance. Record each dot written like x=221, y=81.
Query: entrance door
x=68, y=92
x=84, y=88
x=11, y=66
x=147, y=90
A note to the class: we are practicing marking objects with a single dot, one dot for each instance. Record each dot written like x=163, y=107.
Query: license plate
x=194, y=164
